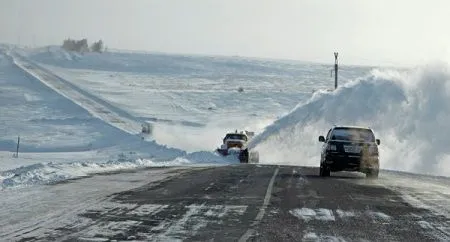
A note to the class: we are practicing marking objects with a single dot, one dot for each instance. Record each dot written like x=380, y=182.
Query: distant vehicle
x=350, y=148
x=147, y=128
x=236, y=144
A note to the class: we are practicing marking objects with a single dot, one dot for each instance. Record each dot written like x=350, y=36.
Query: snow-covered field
x=195, y=96
x=78, y=113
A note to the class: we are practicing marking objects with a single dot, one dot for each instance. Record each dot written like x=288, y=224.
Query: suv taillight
x=373, y=149
x=331, y=147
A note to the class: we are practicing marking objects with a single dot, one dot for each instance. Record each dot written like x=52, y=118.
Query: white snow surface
x=407, y=109
x=192, y=101
x=310, y=214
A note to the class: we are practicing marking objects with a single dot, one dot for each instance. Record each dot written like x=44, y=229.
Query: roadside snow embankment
x=50, y=173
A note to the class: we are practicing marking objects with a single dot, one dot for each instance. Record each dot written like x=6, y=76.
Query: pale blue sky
x=363, y=31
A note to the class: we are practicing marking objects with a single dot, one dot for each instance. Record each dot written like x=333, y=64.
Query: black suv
x=349, y=148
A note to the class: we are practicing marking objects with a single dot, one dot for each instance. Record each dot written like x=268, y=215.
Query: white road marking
x=262, y=210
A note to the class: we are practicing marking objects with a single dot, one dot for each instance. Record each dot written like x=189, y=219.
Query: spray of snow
x=407, y=109
x=209, y=137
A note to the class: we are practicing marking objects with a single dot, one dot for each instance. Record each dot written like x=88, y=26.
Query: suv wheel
x=324, y=171
x=372, y=173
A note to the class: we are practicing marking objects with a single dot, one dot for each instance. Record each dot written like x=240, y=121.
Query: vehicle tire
x=244, y=156
x=372, y=174
x=324, y=171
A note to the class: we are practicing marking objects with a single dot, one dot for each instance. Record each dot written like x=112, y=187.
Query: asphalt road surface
x=260, y=203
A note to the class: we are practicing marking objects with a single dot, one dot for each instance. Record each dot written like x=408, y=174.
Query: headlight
x=331, y=147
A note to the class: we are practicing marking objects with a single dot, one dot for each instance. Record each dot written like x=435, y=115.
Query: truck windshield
x=353, y=134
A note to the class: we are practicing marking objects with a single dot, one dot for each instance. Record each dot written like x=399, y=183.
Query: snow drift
x=409, y=111
x=51, y=173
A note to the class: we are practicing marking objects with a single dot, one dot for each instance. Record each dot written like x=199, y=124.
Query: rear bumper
x=340, y=162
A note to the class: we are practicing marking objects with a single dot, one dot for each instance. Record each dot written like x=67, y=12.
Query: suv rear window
x=236, y=136
x=352, y=134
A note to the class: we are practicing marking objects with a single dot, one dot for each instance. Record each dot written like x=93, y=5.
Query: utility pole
x=16, y=155
x=335, y=70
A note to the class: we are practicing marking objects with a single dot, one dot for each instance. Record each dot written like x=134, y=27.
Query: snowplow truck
x=236, y=144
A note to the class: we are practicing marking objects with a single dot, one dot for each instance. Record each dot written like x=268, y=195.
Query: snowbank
x=408, y=110
x=50, y=173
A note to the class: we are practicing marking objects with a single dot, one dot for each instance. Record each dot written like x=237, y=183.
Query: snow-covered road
x=231, y=203
x=54, y=205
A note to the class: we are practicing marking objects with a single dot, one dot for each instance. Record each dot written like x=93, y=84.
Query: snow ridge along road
x=94, y=105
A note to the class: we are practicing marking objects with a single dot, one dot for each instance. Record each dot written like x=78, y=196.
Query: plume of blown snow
x=409, y=110
x=204, y=138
